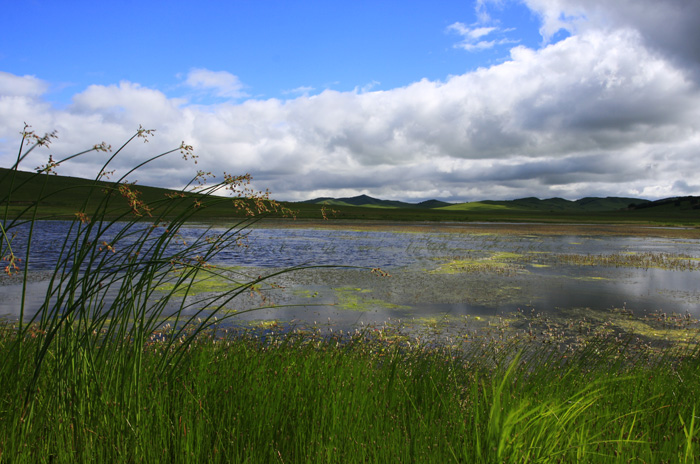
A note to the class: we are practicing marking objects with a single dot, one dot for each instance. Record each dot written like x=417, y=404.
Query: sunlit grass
x=271, y=395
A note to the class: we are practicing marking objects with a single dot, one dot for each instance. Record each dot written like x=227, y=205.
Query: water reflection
x=413, y=291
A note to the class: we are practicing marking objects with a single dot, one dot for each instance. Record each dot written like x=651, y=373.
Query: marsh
x=442, y=271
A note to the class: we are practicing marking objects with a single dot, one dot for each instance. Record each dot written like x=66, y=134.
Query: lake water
x=435, y=272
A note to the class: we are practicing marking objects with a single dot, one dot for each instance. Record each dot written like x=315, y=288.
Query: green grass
x=307, y=398
x=476, y=206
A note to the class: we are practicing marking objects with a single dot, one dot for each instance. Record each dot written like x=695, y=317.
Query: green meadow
x=61, y=194
x=118, y=365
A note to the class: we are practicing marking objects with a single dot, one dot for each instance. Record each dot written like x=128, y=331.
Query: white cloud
x=471, y=36
x=667, y=26
x=606, y=111
x=21, y=86
x=219, y=83
x=472, y=33
x=303, y=90
x=367, y=87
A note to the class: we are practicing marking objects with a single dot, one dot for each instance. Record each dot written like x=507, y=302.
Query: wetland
x=461, y=278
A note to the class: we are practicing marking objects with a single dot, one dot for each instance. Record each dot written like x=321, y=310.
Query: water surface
x=434, y=272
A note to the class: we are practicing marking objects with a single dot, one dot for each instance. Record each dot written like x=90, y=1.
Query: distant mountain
x=370, y=202
x=677, y=203
x=591, y=204
x=433, y=204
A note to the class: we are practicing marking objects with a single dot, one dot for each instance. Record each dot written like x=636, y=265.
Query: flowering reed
x=101, y=306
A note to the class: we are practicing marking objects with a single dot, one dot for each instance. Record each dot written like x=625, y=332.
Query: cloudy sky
x=406, y=100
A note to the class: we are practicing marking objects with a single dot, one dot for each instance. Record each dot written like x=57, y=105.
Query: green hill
x=685, y=210
x=687, y=203
x=523, y=204
x=64, y=196
x=370, y=202
x=590, y=204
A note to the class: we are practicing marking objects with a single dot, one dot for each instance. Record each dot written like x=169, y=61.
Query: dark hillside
x=371, y=202
x=674, y=203
x=64, y=196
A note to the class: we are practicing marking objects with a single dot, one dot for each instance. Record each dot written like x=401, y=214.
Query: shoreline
x=505, y=228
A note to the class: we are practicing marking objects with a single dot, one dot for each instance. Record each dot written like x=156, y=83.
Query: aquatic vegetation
x=218, y=279
x=579, y=326
x=305, y=293
x=499, y=263
x=357, y=299
x=589, y=278
x=684, y=296
x=501, y=229
x=669, y=261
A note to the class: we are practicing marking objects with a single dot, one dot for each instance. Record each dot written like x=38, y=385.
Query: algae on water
x=500, y=262
x=356, y=299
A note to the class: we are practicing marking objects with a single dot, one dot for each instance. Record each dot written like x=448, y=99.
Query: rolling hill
x=590, y=204
x=370, y=202
x=63, y=196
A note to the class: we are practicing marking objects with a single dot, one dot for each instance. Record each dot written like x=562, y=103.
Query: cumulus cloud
x=21, y=86
x=666, y=26
x=610, y=110
x=219, y=83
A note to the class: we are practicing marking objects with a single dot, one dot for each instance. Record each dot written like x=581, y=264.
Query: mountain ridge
x=593, y=204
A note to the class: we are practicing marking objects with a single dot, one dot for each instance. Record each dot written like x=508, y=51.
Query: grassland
x=63, y=193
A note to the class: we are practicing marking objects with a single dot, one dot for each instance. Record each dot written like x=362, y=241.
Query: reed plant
x=85, y=343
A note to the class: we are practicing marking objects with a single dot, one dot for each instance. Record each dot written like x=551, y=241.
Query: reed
x=101, y=306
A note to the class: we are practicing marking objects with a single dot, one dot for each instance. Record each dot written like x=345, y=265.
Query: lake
x=445, y=272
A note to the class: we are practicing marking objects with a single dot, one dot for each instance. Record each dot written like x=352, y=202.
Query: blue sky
x=276, y=49
x=400, y=100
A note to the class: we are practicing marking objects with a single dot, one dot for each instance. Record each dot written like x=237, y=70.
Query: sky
x=401, y=100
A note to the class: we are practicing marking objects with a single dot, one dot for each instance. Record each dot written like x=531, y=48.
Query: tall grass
x=85, y=342
x=294, y=397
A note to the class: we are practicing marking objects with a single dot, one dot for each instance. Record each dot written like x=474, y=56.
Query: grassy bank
x=306, y=398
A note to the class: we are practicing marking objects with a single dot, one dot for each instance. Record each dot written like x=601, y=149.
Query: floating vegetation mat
x=668, y=261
